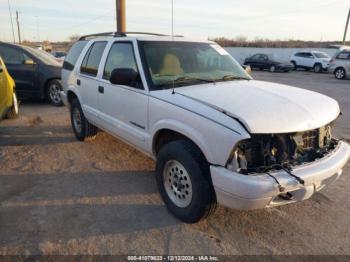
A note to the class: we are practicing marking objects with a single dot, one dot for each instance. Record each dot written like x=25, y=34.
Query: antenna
x=13, y=31
x=172, y=19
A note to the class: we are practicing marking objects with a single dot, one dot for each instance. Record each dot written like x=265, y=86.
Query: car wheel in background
x=340, y=73
x=14, y=110
x=83, y=130
x=318, y=68
x=294, y=65
x=272, y=69
x=183, y=179
x=53, y=90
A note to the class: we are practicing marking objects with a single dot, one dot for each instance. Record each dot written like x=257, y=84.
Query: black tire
x=14, y=109
x=340, y=73
x=318, y=68
x=203, y=201
x=53, y=89
x=294, y=65
x=85, y=131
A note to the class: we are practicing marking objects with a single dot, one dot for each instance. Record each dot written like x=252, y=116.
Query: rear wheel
x=14, y=110
x=83, y=130
x=340, y=73
x=183, y=179
x=53, y=90
x=318, y=68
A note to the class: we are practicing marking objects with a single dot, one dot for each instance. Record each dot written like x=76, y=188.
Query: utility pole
x=121, y=15
x=13, y=31
x=346, y=27
x=19, y=31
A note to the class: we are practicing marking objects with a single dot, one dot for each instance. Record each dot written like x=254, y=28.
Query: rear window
x=92, y=59
x=73, y=55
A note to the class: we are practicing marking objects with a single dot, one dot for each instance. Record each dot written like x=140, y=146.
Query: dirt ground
x=61, y=196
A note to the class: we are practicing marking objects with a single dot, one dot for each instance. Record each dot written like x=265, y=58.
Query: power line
x=13, y=31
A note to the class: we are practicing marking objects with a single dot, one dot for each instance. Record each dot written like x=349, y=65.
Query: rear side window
x=343, y=55
x=92, y=59
x=73, y=55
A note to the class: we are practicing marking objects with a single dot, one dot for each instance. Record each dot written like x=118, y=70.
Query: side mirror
x=29, y=62
x=124, y=76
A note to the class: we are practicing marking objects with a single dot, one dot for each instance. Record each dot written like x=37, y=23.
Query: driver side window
x=13, y=56
x=121, y=55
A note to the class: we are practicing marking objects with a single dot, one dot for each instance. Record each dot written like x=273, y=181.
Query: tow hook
x=286, y=196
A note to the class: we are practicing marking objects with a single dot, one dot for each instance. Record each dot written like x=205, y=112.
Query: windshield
x=175, y=64
x=321, y=55
x=43, y=56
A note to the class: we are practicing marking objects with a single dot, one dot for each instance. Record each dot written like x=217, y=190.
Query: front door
x=123, y=109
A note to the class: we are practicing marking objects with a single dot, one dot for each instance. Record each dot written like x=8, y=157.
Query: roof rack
x=121, y=34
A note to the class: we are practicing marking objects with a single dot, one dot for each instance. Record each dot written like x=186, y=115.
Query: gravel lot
x=61, y=196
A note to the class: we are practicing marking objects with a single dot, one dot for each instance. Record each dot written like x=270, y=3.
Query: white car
x=217, y=135
x=315, y=60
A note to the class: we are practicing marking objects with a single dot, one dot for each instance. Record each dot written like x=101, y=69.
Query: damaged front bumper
x=256, y=191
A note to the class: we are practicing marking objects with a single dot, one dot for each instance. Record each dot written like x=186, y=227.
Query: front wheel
x=14, y=110
x=318, y=68
x=83, y=130
x=340, y=73
x=183, y=179
x=53, y=90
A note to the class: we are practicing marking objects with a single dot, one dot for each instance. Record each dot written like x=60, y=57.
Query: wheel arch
x=164, y=136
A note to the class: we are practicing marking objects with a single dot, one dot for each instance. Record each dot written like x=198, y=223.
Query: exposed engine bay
x=265, y=152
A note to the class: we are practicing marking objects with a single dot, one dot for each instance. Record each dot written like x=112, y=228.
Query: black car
x=36, y=73
x=263, y=62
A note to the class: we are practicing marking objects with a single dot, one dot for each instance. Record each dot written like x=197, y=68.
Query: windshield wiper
x=184, y=79
x=233, y=77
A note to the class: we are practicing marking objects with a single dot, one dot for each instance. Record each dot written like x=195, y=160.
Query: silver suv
x=340, y=65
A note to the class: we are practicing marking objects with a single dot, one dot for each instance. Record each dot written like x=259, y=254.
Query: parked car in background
x=216, y=134
x=8, y=98
x=267, y=62
x=36, y=73
x=315, y=60
x=340, y=65
x=59, y=54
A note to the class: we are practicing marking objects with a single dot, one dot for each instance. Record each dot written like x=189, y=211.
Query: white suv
x=217, y=135
x=318, y=61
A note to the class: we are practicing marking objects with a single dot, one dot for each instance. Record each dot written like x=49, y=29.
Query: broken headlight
x=264, y=152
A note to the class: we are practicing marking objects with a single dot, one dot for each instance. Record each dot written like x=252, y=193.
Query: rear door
x=21, y=67
x=123, y=109
x=87, y=81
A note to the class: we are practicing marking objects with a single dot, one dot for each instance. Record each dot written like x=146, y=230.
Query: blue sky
x=274, y=19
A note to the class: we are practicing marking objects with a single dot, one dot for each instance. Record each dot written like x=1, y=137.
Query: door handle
x=78, y=82
x=101, y=89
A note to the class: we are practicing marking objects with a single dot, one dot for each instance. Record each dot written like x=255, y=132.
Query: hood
x=266, y=108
